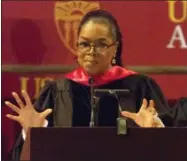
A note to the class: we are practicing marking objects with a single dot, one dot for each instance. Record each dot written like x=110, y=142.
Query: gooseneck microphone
x=120, y=121
x=92, y=102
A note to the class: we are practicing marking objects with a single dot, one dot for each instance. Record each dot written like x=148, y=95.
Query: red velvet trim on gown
x=115, y=73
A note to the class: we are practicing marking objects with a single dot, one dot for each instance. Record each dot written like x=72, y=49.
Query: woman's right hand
x=27, y=115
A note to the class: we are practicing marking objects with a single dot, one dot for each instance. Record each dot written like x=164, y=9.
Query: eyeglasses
x=98, y=48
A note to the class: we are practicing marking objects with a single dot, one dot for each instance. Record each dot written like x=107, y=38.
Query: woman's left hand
x=146, y=117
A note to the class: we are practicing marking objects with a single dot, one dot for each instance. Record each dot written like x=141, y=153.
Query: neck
x=98, y=74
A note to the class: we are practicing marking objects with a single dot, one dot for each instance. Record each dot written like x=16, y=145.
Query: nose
x=92, y=50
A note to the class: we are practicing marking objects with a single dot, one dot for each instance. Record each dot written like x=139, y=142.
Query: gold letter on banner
x=37, y=86
x=24, y=81
x=171, y=11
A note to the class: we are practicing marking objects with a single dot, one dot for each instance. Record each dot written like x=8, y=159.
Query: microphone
x=91, y=81
x=92, y=102
x=121, y=121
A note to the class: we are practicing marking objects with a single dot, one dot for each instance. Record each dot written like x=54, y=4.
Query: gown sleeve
x=180, y=110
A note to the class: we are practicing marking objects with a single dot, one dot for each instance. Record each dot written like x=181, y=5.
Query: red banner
x=35, y=32
x=44, y=32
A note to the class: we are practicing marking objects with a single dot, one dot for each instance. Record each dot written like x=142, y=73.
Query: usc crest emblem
x=68, y=15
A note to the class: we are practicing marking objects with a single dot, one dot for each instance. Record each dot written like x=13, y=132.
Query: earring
x=114, y=61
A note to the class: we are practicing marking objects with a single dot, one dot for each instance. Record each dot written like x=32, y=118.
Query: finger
x=12, y=117
x=18, y=100
x=26, y=97
x=151, y=104
x=46, y=113
x=129, y=115
x=144, y=104
x=13, y=107
x=151, y=107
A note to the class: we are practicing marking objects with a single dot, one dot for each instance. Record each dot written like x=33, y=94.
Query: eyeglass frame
x=94, y=46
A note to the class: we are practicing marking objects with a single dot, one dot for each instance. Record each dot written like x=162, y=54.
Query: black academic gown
x=70, y=102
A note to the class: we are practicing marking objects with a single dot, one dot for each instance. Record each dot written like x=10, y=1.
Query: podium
x=103, y=144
